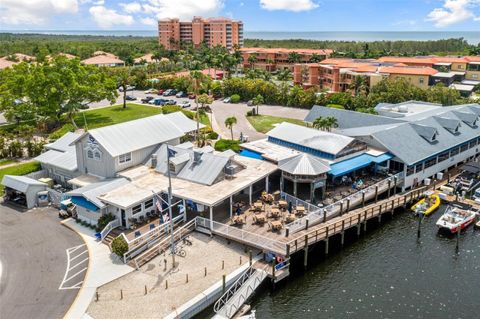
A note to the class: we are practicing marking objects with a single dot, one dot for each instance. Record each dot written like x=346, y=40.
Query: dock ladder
x=231, y=301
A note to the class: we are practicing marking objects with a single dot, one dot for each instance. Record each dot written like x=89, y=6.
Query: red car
x=160, y=92
x=191, y=96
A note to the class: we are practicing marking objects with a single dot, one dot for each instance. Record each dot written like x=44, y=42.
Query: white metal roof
x=304, y=164
x=62, y=144
x=20, y=183
x=92, y=191
x=323, y=141
x=462, y=87
x=134, y=135
x=183, y=122
x=65, y=160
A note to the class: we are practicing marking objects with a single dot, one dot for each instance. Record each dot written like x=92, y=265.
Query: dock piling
x=305, y=255
x=250, y=257
x=121, y=294
x=146, y=291
x=342, y=240
x=287, y=231
x=326, y=242
x=224, y=282
x=376, y=193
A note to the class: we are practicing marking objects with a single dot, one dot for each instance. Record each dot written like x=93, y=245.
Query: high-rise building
x=212, y=31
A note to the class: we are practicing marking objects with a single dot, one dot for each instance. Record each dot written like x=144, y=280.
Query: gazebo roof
x=304, y=164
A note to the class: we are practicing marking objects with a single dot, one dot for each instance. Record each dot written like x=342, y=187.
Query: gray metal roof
x=427, y=132
x=65, y=160
x=20, y=183
x=205, y=171
x=304, y=164
x=183, y=122
x=451, y=124
x=92, y=191
x=348, y=119
x=134, y=135
x=319, y=140
x=62, y=144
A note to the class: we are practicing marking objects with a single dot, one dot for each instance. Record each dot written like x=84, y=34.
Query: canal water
x=384, y=274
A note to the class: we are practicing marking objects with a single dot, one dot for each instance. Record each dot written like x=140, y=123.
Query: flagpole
x=170, y=208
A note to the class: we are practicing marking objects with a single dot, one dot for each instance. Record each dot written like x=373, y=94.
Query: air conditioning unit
x=427, y=181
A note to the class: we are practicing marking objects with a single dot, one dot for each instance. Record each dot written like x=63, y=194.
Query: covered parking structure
x=23, y=190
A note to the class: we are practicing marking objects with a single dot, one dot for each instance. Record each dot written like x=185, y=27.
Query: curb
x=72, y=306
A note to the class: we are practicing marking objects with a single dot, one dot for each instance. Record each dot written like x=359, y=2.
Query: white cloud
x=182, y=9
x=453, y=12
x=34, y=12
x=132, y=7
x=148, y=21
x=288, y=5
x=106, y=18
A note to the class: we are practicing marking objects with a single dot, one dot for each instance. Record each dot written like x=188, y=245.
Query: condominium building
x=212, y=31
x=272, y=59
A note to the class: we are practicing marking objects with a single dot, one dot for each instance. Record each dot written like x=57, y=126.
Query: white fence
x=323, y=214
x=110, y=226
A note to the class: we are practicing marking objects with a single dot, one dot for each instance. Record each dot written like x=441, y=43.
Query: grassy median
x=264, y=123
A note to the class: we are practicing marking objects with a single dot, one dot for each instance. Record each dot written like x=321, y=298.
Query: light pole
x=172, y=240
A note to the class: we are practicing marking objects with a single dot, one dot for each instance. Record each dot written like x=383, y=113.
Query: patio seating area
x=143, y=225
x=268, y=213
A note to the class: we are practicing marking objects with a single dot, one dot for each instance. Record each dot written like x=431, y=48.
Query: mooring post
x=273, y=269
x=419, y=225
x=348, y=205
x=287, y=231
x=288, y=251
x=363, y=198
x=365, y=222
x=342, y=238
x=457, y=245
x=448, y=178
x=389, y=185
x=324, y=215
x=224, y=282
x=341, y=207
x=376, y=193
x=306, y=223
x=326, y=242
x=395, y=185
x=305, y=255
x=250, y=257
x=358, y=225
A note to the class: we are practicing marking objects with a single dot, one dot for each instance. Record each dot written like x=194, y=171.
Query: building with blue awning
x=356, y=163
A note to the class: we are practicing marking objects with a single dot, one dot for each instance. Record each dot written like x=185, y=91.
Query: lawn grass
x=264, y=123
x=20, y=169
x=6, y=161
x=114, y=114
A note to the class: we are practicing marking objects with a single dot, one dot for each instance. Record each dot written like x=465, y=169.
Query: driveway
x=35, y=279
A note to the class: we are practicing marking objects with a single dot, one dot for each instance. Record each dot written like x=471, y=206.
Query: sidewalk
x=103, y=267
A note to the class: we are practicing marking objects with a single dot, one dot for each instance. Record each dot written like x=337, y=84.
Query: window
x=148, y=203
x=464, y=147
x=97, y=155
x=418, y=167
x=410, y=170
x=455, y=151
x=136, y=209
x=421, y=80
x=90, y=154
x=430, y=162
x=443, y=156
x=124, y=158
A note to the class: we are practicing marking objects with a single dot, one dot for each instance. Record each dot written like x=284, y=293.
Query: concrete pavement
x=33, y=255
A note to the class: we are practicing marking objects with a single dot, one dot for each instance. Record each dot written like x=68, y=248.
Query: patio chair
x=152, y=226
x=138, y=234
x=141, y=219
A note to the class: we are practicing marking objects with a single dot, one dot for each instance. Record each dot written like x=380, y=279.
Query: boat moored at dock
x=428, y=204
x=454, y=217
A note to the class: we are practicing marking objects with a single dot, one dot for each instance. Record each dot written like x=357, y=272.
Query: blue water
x=472, y=37
x=251, y=154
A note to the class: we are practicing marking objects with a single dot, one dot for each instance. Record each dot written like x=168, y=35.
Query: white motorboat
x=454, y=217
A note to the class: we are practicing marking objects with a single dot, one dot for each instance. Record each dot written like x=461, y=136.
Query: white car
x=150, y=91
x=185, y=104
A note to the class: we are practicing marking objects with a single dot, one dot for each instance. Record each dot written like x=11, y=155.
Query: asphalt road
x=33, y=255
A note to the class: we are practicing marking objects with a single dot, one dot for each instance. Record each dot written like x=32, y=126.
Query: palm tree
x=315, y=58
x=294, y=57
x=331, y=122
x=284, y=75
x=252, y=59
x=269, y=64
x=359, y=85
x=230, y=122
x=319, y=123
x=198, y=115
x=257, y=101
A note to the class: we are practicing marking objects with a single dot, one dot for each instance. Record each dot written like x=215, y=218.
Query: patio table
x=276, y=225
x=290, y=218
x=260, y=218
x=282, y=204
x=275, y=212
x=258, y=206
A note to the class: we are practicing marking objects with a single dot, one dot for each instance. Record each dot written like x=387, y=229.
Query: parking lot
x=43, y=264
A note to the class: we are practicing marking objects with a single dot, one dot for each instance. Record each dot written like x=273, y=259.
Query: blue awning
x=81, y=201
x=356, y=163
x=251, y=154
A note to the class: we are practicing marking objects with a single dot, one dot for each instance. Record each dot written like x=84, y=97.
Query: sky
x=257, y=15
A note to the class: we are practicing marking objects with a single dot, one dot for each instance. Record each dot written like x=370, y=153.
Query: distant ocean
x=472, y=37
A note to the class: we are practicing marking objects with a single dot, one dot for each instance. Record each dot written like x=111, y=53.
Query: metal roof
x=20, y=183
x=319, y=140
x=183, y=122
x=348, y=119
x=134, y=135
x=62, y=144
x=204, y=171
x=304, y=164
x=65, y=160
x=92, y=191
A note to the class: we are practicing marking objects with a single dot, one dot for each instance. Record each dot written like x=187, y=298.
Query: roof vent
x=403, y=109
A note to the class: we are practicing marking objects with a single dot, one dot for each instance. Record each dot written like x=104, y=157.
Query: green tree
x=284, y=75
x=53, y=88
x=252, y=59
x=257, y=101
x=294, y=57
x=119, y=246
x=315, y=58
x=124, y=79
x=229, y=123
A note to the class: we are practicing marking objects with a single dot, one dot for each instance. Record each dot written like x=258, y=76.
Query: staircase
x=110, y=237
x=233, y=299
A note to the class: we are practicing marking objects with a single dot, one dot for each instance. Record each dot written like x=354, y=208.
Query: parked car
x=130, y=98
x=147, y=99
x=191, y=96
x=170, y=92
x=150, y=91
x=170, y=102
x=227, y=100
x=250, y=103
x=157, y=101
x=181, y=94
x=185, y=104
x=84, y=106
x=160, y=92
x=129, y=88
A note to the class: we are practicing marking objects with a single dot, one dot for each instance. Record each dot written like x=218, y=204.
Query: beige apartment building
x=212, y=31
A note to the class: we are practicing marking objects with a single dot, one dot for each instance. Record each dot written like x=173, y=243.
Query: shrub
x=119, y=246
x=235, y=98
x=251, y=112
x=61, y=131
x=103, y=221
x=336, y=106
x=223, y=145
x=171, y=109
x=212, y=135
